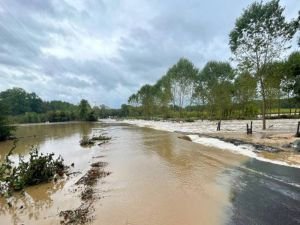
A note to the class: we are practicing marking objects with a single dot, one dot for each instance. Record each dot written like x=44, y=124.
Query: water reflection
x=39, y=134
x=32, y=203
x=160, y=179
x=156, y=177
x=185, y=155
x=43, y=202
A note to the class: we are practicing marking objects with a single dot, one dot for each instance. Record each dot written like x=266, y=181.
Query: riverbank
x=279, y=134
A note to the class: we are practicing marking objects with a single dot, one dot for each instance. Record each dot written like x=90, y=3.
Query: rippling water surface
x=157, y=178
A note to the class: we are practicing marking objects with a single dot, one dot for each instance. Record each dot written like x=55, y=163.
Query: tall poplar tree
x=260, y=36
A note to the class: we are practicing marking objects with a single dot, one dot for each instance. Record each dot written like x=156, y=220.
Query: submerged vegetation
x=6, y=131
x=37, y=169
x=86, y=141
x=101, y=138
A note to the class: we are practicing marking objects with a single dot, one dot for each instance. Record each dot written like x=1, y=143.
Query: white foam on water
x=207, y=126
x=246, y=150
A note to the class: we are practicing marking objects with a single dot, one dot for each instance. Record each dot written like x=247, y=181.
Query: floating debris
x=81, y=215
x=76, y=216
x=87, y=194
x=99, y=164
x=91, y=177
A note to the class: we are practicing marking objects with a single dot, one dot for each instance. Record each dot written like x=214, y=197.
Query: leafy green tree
x=287, y=84
x=261, y=34
x=245, y=94
x=16, y=101
x=182, y=77
x=133, y=100
x=59, y=106
x=216, y=80
x=293, y=71
x=146, y=98
x=35, y=103
x=84, y=109
x=92, y=116
x=125, y=109
x=273, y=78
x=163, y=95
x=5, y=130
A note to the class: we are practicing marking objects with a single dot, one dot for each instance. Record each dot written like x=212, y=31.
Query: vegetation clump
x=6, y=130
x=91, y=177
x=37, y=169
x=87, y=194
x=100, y=138
x=86, y=141
x=77, y=216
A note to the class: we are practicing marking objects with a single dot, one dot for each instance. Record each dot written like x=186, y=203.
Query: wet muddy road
x=157, y=179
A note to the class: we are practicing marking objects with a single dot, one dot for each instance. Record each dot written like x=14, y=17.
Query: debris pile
x=82, y=214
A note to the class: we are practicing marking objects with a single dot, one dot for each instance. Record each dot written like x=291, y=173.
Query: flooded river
x=156, y=179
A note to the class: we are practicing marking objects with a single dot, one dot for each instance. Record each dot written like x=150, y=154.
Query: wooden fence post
x=219, y=126
x=298, y=130
x=249, y=129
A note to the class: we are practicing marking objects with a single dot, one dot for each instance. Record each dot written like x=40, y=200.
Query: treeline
x=218, y=91
x=19, y=106
x=261, y=83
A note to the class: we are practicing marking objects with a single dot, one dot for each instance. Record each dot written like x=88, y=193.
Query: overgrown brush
x=37, y=169
x=86, y=141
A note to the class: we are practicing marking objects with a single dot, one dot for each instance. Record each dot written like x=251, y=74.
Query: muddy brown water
x=157, y=178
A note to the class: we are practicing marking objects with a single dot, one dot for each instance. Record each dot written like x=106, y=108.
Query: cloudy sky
x=104, y=50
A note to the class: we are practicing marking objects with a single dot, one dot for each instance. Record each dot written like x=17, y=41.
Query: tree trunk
x=264, y=115
x=289, y=102
x=279, y=103
x=263, y=103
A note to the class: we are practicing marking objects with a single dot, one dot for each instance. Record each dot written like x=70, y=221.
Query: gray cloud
x=105, y=50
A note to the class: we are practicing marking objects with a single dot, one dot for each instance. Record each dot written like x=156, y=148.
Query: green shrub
x=38, y=169
x=86, y=141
